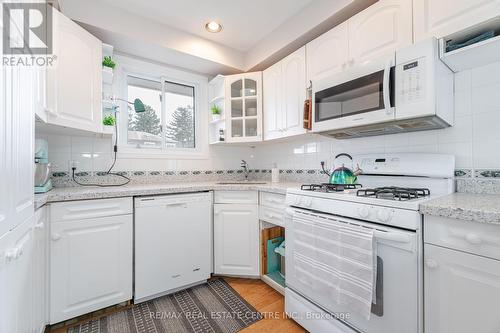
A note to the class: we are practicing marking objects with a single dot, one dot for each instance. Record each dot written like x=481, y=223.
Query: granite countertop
x=465, y=206
x=83, y=193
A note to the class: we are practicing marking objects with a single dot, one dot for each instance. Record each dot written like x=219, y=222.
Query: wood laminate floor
x=267, y=301
x=263, y=298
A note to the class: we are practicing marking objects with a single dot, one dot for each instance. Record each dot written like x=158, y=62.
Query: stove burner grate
x=327, y=188
x=394, y=193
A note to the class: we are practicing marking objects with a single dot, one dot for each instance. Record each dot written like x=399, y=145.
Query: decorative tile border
x=487, y=173
x=63, y=179
x=463, y=173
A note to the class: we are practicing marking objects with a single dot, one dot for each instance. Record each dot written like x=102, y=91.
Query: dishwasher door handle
x=175, y=204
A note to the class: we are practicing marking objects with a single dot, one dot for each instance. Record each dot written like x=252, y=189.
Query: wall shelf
x=475, y=55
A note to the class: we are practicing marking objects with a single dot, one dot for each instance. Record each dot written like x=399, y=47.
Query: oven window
x=360, y=95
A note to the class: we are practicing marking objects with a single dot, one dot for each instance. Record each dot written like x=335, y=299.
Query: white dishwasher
x=173, y=243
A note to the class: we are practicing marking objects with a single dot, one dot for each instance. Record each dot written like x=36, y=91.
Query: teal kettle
x=342, y=174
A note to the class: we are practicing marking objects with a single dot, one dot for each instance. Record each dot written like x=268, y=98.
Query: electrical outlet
x=73, y=164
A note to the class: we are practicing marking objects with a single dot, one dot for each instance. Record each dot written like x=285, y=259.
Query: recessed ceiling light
x=213, y=26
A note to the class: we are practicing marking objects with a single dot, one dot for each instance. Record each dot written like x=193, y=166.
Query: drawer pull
x=273, y=216
x=473, y=239
x=431, y=263
x=176, y=276
x=196, y=269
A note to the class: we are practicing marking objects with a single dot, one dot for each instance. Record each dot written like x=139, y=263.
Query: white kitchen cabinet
x=462, y=292
x=380, y=30
x=40, y=271
x=90, y=256
x=328, y=54
x=444, y=17
x=236, y=239
x=16, y=279
x=294, y=92
x=273, y=102
x=74, y=83
x=284, y=95
x=243, y=107
x=16, y=146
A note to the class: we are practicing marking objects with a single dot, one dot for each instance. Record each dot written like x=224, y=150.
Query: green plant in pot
x=216, y=111
x=109, y=121
x=108, y=62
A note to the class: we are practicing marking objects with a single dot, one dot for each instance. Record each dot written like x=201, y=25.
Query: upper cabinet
x=243, y=107
x=444, y=17
x=74, y=83
x=328, y=54
x=379, y=30
x=284, y=95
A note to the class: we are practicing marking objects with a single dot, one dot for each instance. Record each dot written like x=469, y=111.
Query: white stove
x=386, y=200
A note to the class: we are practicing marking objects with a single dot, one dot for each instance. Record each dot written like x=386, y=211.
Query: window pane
x=250, y=87
x=180, y=116
x=144, y=129
x=236, y=88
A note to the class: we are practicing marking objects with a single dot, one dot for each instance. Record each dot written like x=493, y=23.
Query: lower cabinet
x=90, y=256
x=17, y=280
x=40, y=271
x=236, y=239
x=462, y=292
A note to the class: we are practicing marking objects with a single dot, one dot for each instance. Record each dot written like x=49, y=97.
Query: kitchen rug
x=211, y=307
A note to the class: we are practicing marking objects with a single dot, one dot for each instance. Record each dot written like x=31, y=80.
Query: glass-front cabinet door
x=244, y=105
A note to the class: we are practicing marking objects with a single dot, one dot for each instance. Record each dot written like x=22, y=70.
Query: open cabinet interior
x=273, y=256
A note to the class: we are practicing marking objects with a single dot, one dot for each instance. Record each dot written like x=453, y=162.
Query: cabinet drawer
x=274, y=216
x=473, y=237
x=242, y=197
x=89, y=209
x=272, y=200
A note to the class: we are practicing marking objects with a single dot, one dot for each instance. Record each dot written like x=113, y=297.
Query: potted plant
x=109, y=120
x=215, y=112
x=108, y=62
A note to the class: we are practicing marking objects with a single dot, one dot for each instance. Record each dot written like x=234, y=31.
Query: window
x=168, y=121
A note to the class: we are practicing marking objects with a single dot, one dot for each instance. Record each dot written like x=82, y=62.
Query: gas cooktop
x=327, y=188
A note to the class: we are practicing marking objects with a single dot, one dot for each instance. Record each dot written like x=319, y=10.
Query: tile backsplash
x=474, y=140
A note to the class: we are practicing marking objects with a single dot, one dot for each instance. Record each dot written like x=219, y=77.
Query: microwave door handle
x=386, y=87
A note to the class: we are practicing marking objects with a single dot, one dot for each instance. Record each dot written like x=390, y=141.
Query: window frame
x=160, y=73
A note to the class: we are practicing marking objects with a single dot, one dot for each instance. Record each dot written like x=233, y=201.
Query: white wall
x=474, y=140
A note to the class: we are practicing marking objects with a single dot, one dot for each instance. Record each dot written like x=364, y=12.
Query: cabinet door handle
x=56, y=237
x=196, y=269
x=473, y=239
x=351, y=62
x=39, y=226
x=176, y=276
x=431, y=263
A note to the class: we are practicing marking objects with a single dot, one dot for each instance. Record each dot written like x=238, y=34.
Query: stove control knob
x=363, y=212
x=383, y=215
x=308, y=202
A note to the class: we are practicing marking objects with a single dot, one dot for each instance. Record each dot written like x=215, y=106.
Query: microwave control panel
x=411, y=81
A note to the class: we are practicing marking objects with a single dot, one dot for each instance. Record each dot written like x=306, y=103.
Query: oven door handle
x=386, y=88
x=393, y=237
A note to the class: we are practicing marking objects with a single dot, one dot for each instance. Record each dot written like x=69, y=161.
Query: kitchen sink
x=242, y=183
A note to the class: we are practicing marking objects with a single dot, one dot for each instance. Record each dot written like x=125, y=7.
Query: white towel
x=358, y=268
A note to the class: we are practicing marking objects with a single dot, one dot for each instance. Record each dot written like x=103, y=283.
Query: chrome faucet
x=244, y=165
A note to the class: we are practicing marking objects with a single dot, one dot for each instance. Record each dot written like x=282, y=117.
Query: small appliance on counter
x=43, y=183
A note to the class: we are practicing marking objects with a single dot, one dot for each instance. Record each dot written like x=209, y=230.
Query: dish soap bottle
x=275, y=174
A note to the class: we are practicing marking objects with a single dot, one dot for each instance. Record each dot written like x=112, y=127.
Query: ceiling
x=245, y=23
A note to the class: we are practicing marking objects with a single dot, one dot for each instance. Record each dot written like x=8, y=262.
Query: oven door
x=396, y=308
x=360, y=96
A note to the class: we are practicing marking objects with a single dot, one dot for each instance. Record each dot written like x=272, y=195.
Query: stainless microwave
x=386, y=95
